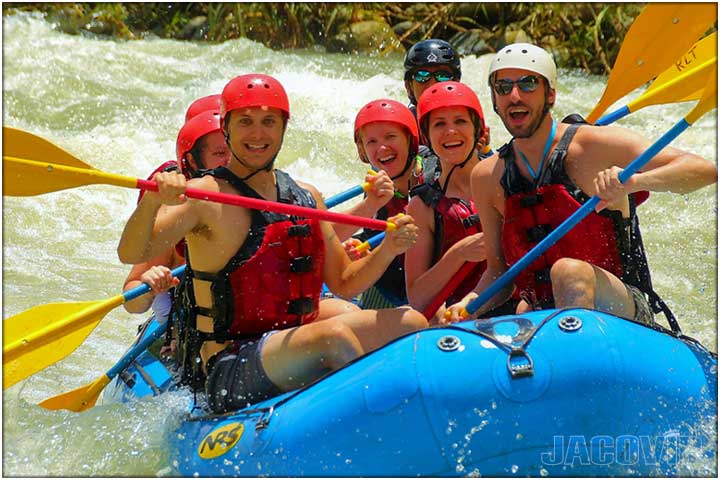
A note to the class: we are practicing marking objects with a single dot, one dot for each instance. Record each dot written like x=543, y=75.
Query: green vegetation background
x=580, y=35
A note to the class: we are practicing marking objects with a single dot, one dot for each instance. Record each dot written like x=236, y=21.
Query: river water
x=118, y=106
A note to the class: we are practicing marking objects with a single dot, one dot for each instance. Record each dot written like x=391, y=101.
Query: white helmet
x=527, y=57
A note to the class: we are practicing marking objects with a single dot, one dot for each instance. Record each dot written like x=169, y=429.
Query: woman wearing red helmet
x=386, y=137
x=203, y=104
x=251, y=291
x=200, y=146
x=449, y=232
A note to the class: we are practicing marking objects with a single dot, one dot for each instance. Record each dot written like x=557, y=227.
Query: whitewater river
x=118, y=106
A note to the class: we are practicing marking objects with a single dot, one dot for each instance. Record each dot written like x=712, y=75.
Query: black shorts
x=236, y=378
x=643, y=312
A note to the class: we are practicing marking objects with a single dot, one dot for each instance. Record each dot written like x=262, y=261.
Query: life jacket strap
x=301, y=306
x=538, y=232
x=301, y=264
x=302, y=230
x=471, y=221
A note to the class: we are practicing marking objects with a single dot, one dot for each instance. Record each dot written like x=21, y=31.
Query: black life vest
x=272, y=282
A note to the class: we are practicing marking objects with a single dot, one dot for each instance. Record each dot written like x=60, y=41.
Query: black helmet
x=431, y=52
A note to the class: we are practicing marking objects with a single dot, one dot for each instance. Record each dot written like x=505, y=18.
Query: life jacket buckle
x=301, y=306
x=302, y=230
x=219, y=336
x=470, y=221
x=531, y=200
x=301, y=264
x=538, y=232
x=542, y=276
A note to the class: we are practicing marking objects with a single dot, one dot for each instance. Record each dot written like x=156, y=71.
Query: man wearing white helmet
x=544, y=174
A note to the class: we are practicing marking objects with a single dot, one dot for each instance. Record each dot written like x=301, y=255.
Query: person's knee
x=522, y=307
x=573, y=283
x=571, y=272
x=413, y=320
x=331, y=307
x=338, y=344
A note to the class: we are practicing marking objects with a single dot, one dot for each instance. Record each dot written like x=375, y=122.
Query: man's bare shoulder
x=610, y=136
x=597, y=148
x=206, y=183
x=488, y=170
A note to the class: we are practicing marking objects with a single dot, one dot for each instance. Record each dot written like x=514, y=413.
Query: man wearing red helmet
x=544, y=174
x=254, y=279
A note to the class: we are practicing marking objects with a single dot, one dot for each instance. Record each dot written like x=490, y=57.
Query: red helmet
x=193, y=130
x=202, y=104
x=253, y=90
x=385, y=110
x=449, y=94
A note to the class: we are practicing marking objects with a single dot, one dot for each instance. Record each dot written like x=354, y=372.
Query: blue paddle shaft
x=573, y=220
x=134, y=293
x=376, y=240
x=614, y=116
x=135, y=351
x=344, y=196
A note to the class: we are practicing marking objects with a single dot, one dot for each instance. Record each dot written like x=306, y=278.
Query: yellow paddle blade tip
x=77, y=400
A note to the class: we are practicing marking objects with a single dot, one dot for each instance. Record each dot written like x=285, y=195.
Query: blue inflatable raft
x=553, y=393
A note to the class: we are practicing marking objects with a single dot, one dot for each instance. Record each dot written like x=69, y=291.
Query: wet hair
x=197, y=152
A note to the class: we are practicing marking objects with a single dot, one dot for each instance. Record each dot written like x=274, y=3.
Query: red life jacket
x=275, y=279
x=532, y=211
x=392, y=208
x=455, y=219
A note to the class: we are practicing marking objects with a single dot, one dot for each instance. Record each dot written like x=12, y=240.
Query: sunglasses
x=528, y=83
x=422, y=76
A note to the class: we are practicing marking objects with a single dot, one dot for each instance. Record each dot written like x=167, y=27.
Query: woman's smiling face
x=451, y=133
x=386, y=146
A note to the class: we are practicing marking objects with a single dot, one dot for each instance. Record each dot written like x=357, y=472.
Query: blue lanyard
x=545, y=152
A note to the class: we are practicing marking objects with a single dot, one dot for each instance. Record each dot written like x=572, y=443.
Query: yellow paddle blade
x=657, y=38
x=43, y=335
x=23, y=177
x=685, y=79
x=79, y=399
x=21, y=144
x=708, y=101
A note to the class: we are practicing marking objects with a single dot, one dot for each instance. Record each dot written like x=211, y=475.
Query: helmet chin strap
x=464, y=162
x=410, y=158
